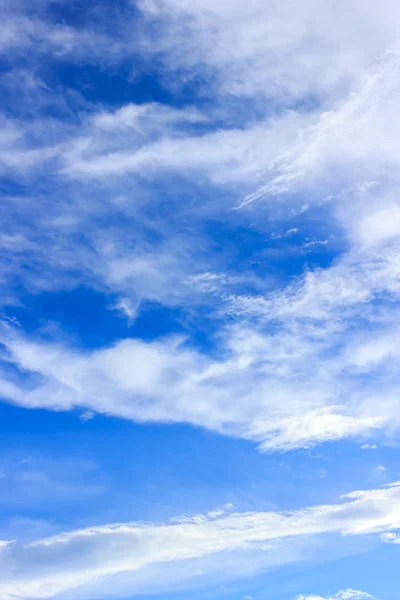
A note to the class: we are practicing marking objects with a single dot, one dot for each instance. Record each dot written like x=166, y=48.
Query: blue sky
x=200, y=280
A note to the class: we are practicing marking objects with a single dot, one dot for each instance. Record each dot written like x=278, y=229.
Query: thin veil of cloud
x=342, y=595
x=79, y=561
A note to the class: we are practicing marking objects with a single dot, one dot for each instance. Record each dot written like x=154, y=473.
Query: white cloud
x=146, y=117
x=77, y=560
x=230, y=155
x=245, y=155
x=261, y=389
x=272, y=48
x=390, y=537
x=381, y=226
x=342, y=595
x=299, y=385
x=354, y=139
x=86, y=416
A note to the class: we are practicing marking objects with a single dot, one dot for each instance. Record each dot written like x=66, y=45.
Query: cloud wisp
x=341, y=595
x=77, y=560
x=260, y=389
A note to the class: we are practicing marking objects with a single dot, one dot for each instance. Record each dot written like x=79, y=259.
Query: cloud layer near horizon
x=83, y=561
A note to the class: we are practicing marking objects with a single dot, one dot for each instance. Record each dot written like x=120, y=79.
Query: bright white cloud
x=342, y=595
x=77, y=560
x=266, y=388
x=390, y=537
x=381, y=226
x=270, y=47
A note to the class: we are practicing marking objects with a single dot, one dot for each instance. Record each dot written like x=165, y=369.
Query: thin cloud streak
x=77, y=559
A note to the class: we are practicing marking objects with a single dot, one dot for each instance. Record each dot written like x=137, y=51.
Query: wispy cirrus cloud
x=269, y=47
x=80, y=561
x=342, y=595
x=280, y=391
x=301, y=384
